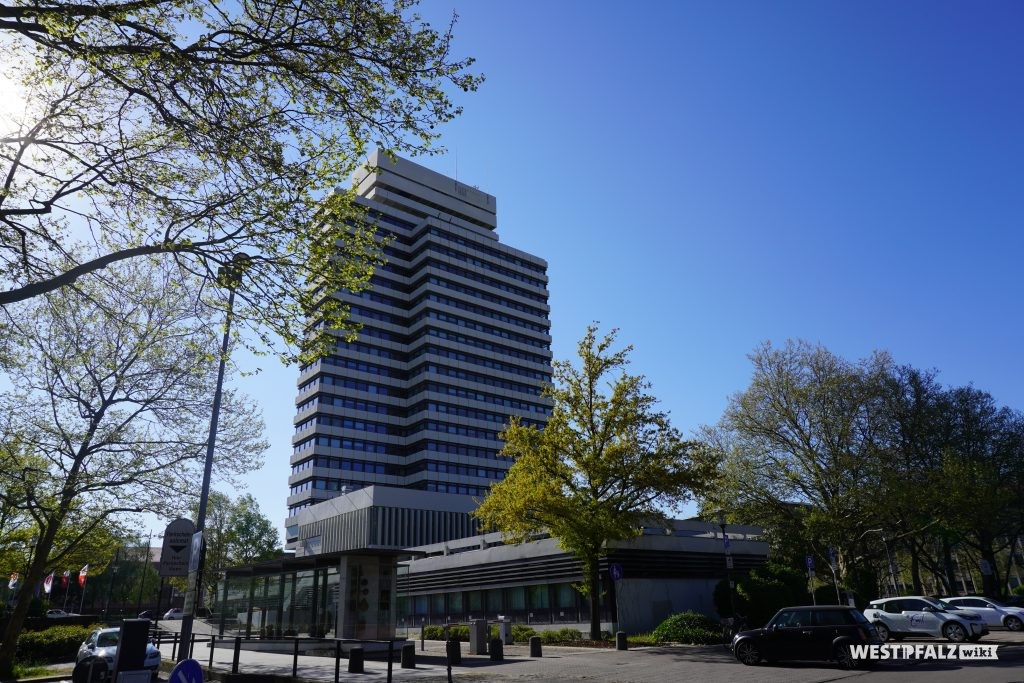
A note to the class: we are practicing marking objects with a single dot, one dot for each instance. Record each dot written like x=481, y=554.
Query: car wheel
x=954, y=632
x=748, y=653
x=844, y=657
x=883, y=632
x=1013, y=623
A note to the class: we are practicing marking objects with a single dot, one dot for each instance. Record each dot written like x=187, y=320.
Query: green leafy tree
x=111, y=406
x=237, y=533
x=800, y=448
x=196, y=129
x=606, y=463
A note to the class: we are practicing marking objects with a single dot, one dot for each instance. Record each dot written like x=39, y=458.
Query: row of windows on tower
x=396, y=430
x=328, y=379
x=435, y=248
x=361, y=313
x=372, y=447
x=405, y=451
x=374, y=369
x=349, y=465
x=381, y=284
x=377, y=297
x=463, y=273
x=396, y=411
x=368, y=331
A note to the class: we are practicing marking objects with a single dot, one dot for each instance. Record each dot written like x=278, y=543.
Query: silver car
x=102, y=644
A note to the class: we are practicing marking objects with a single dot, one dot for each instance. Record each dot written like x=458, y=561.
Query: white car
x=992, y=611
x=102, y=644
x=174, y=613
x=916, y=615
x=58, y=614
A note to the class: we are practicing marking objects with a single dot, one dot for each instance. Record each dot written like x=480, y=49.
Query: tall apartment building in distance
x=455, y=339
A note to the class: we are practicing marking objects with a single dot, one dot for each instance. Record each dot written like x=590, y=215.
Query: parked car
x=102, y=644
x=822, y=632
x=57, y=614
x=916, y=615
x=150, y=614
x=173, y=613
x=994, y=613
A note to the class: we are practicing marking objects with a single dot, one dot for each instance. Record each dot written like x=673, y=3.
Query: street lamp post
x=229, y=276
x=728, y=567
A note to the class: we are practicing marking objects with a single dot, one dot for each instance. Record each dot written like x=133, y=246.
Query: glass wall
x=536, y=604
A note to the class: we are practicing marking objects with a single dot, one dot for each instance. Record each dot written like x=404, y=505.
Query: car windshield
x=946, y=606
x=995, y=603
x=107, y=639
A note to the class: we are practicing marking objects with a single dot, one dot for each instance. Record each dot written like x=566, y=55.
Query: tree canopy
x=606, y=463
x=109, y=410
x=196, y=129
x=872, y=459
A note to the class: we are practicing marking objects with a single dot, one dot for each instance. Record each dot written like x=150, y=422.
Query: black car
x=822, y=632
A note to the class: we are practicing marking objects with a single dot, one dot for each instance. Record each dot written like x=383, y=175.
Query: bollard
x=355, y=660
x=620, y=641
x=391, y=657
x=234, y=657
x=535, y=646
x=213, y=644
x=409, y=656
x=295, y=658
x=337, y=661
x=497, y=650
x=454, y=651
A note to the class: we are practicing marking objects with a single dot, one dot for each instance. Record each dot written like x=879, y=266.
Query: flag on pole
x=48, y=584
x=82, y=574
x=64, y=579
x=13, y=582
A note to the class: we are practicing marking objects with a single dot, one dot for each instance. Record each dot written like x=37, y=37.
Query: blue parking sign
x=616, y=571
x=810, y=562
x=186, y=671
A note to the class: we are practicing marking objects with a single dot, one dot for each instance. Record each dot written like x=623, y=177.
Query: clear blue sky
x=707, y=176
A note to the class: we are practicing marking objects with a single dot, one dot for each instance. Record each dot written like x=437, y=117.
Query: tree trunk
x=20, y=611
x=947, y=563
x=915, y=570
x=592, y=587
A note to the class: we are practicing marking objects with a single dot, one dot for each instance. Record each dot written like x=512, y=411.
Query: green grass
x=34, y=670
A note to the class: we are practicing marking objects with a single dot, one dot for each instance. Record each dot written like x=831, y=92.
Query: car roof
x=819, y=608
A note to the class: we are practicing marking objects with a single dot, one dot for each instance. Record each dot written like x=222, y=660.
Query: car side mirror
x=91, y=646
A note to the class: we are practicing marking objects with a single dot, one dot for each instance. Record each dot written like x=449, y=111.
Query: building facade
x=455, y=339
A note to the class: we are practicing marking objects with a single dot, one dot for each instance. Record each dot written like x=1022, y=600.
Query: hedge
x=55, y=644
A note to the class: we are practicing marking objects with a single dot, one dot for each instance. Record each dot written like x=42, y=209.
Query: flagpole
x=81, y=604
x=67, y=591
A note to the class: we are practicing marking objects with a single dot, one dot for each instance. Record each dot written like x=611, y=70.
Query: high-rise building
x=455, y=339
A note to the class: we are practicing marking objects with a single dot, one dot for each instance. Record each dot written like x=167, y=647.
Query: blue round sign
x=186, y=671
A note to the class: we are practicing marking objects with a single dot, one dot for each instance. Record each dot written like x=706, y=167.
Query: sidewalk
x=557, y=664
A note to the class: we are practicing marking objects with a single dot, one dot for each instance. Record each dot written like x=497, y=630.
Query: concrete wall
x=645, y=603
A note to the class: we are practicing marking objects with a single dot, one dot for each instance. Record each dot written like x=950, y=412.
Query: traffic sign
x=186, y=671
x=810, y=563
x=174, y=555
x=616, y=571
x=728, y=561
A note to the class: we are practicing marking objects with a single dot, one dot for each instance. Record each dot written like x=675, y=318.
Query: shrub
x=565, y=635
x=688, y=627
x=1019, y=590
x=521, y=633
x=55, y=644
x=460, y=633
x=642, y=640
